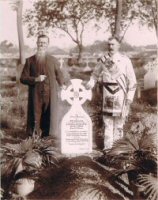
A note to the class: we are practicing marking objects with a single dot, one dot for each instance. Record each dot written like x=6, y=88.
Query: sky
x=135, y=35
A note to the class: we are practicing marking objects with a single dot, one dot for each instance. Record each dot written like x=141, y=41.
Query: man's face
x=42, y=44
x=113, y=46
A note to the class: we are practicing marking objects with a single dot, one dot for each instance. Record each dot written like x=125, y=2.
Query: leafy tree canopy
x=67, y=15
x=73, y=16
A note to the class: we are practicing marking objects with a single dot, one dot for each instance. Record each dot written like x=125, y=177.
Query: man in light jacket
x=117, y=76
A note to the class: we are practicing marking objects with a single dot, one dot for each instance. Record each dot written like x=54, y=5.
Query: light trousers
x=113, y=130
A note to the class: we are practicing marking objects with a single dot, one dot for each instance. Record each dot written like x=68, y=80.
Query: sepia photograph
x=78, y=99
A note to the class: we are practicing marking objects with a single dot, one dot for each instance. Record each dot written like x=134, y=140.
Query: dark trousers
x=42, y=112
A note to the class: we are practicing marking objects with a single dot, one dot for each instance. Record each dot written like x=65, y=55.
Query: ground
x=80, y=177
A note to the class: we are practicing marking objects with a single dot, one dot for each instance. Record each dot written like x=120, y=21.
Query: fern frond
x=49, y=160
x=126, y=145
x=150, y=185
x=33, y=158
x=9, y=167
x=11, y=148
x=147, y=141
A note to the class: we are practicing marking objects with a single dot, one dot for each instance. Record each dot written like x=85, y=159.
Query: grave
x=76, y=125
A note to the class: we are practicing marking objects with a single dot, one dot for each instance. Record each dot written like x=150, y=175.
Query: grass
x=13, y=108
x=14, y=105
x=13, y=122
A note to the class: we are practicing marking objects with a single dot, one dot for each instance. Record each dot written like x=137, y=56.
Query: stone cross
x=76, y=125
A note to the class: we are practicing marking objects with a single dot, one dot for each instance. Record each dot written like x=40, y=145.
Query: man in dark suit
x=42, y=74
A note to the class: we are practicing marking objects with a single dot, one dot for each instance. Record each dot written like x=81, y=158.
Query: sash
x=121, y=80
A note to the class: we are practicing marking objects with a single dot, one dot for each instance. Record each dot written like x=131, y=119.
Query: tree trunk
x=118, y=17
x=80, y=48
x=20, y=32
x=156, y=24
x=21, y=48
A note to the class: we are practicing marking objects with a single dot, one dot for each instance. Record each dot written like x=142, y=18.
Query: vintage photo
x=78, y=99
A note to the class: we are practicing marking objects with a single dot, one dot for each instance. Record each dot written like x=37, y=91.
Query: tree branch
x=154, y=17
x=66, y=31
x=81, y=34
x=125, y=30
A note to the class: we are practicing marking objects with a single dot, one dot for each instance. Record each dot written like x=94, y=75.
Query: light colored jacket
x=115, y=72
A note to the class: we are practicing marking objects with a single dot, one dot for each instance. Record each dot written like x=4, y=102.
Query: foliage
x=1, y=193
x=144, y=155
x=148, y=15
x=72, y=16
x=66, y=15
x=13, y=112
x=148, y=184
x=25, y=160
x=136, y=155
x=143, y=122
x=95, y=192
x=6, y=47
x=143, y=11
x=29, y=152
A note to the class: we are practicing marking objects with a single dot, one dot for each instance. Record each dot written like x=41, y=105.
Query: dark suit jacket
x=55, y=77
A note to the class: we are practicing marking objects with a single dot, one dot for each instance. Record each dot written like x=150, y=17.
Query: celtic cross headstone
x=76, y=125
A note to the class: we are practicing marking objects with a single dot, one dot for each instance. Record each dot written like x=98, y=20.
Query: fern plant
x=136, y=157
x=25, y=160
x=148, y=185
x=132, y=151
x=32, y=151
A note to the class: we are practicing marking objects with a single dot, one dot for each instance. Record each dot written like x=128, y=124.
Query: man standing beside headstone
x=42, y=73
x=117, y=76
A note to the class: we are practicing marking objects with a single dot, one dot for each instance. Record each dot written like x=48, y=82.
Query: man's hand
x=128, y=102
x=40, y=78
x=90, y=84
x=126, y=109
x=63, y=87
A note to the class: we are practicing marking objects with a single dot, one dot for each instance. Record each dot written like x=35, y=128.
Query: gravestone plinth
x=76, y=125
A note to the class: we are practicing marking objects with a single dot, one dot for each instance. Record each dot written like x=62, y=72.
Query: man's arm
x=59, y=74
x=25, y=75
x=131, y=88
x=95, y=76
x=26, y=78
x=131, y=82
